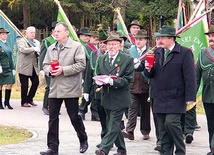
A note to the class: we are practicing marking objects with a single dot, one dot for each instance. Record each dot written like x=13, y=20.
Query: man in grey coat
x=27, y=66
x=66, y=85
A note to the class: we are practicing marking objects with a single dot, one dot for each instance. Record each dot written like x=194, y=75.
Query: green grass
x=10, y=135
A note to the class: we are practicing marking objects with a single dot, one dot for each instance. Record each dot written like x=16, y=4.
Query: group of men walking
x=130, y=83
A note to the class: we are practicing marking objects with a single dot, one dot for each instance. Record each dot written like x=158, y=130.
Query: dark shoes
x=120, y=153
x=99, y=152
x=128, y=135
x=49, y=152
x=46, y=111
x=197, y=127
x=95, y=119
x=32, y=103
x=83, y=146
x=189, y=138
x=122, y=126
x=157, y=148
x=210, y=153
x=82, y=115
x=26, y=105
x=146, y=137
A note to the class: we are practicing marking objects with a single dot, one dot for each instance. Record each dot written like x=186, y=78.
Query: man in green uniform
x=88, y=97
x=205, y=71
x=89, y=84
x=45, y=44
x=7, y=70
x=115, y=93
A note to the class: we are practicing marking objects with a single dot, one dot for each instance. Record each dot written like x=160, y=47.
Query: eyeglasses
x=112, y=44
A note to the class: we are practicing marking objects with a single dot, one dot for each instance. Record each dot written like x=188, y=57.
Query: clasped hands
x=57, y=71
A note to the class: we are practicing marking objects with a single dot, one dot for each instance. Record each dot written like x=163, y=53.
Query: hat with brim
x=122, y=35
x=112, y=37
x=53, y=24
x=84, y=31
x=94, y=33
x=102, y=35
x=134, y=22
x=211, y=30
x=3, y=30
x=166, y=31
x=141, y=34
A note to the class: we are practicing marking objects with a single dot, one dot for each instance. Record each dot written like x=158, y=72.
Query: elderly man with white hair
x=29, y=49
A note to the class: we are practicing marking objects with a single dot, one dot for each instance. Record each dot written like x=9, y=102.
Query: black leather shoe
x=99, y=152
x=120, y=153
x=95, y=119
x=128, y=135
x=46, y=111
x=49, y=152
x=83, y=146
x=157, y=148
x=189, y=138
x=82, y=115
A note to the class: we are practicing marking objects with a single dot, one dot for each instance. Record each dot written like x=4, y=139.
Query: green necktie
x=166, y=54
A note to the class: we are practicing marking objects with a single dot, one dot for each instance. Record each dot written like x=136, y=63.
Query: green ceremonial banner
x=195, y=39
x=11, y=38
x=63, y=18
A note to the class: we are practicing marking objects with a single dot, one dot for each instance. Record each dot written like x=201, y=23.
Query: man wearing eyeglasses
x=115, y=93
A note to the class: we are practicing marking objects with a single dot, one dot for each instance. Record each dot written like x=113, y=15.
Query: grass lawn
x=9, y=135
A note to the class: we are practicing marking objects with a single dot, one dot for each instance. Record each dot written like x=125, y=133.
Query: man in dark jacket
x=174, y=88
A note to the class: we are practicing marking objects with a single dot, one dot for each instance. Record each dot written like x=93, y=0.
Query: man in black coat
x=174, y=87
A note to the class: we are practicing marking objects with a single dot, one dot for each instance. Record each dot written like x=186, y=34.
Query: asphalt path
x=36, y=121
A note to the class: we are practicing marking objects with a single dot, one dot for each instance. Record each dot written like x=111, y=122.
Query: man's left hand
x=58, y=71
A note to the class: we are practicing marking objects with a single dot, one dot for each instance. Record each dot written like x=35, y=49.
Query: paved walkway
x=33, y=119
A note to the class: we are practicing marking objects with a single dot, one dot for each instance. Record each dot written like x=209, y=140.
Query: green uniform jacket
x=6, y=77
x=43, y=50
x=117, y=96
x=205, y=70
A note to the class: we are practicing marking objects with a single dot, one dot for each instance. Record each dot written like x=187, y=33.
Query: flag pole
x=195, y=11
x=70, y=27
x=193, y=21
x=178, y=15
x=117, y=10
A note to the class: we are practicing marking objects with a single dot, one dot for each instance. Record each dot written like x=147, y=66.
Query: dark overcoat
x=174, y=80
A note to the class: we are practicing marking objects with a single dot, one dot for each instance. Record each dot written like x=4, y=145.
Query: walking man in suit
x=115, y=94
x=174, y=88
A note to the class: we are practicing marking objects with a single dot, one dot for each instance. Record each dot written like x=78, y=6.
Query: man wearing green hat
x=115, y=93
x=89, y=84
x=43, y=50
x=174, y=89
x=7, y=69
x=90, y=46
x=133, y=29
x=205, y=71
x=139, y=89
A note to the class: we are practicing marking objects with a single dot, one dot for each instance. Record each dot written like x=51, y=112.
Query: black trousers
x=26, y=96
x=209, y=111
x=72, y=110
x=47, y=90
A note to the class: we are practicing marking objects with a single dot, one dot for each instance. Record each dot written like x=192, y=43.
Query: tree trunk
x=25, y=14
x=82, y=20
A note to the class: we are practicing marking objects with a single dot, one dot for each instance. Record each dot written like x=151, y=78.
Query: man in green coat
x=205, y=71
x=115, y=93
x=43, y=50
